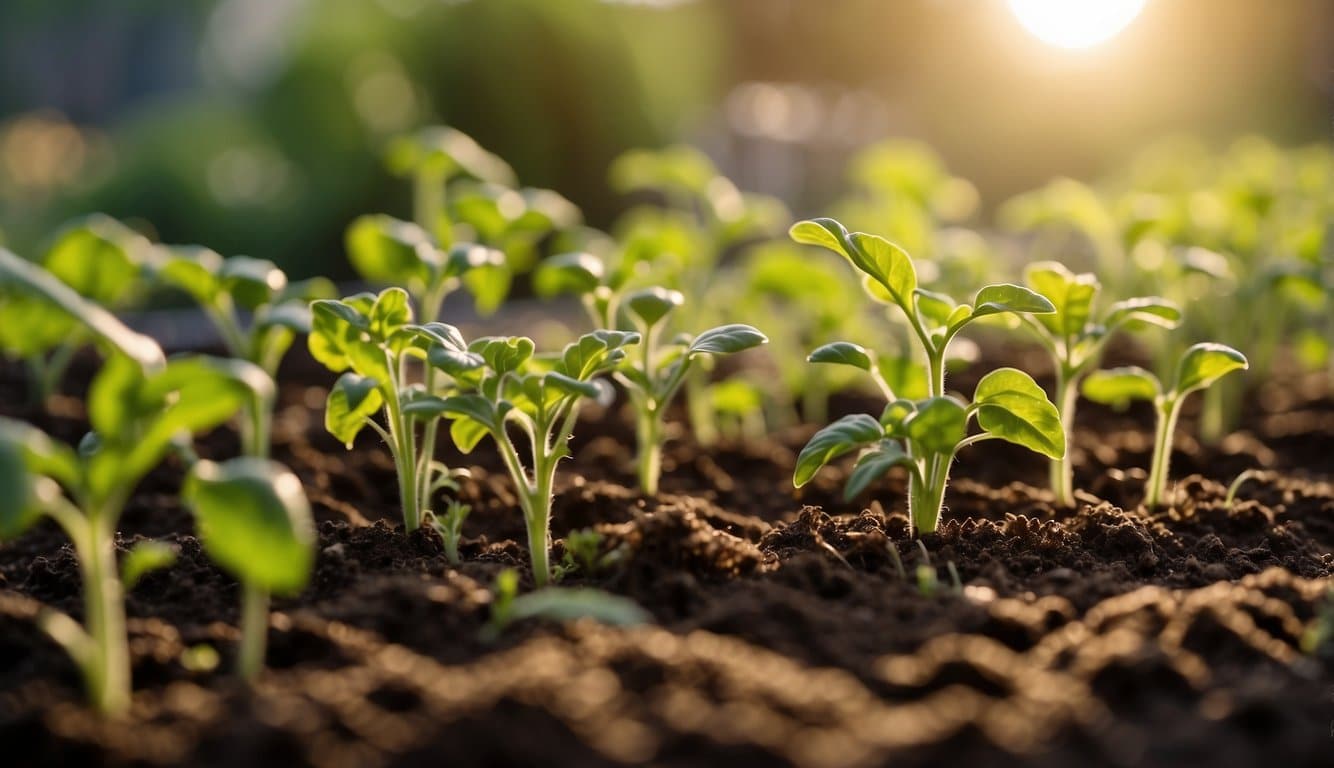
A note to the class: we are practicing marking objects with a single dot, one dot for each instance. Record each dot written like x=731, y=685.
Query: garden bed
x=785, y=632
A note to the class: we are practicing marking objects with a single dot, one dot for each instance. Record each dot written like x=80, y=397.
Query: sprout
x=254, y=521
x=140, y=405
x=499, y=383
x=371, y=340
x=1198, y=368
x=1075, y=340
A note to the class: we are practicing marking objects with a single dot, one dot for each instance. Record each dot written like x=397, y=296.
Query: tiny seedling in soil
x=498, y=384
x=255, y=310
x=371, y=340
x=449, y=526
x=654, y=376
x=558, y=604
x=923, y=435
x=1075, y=338
x=139, y=406
x=1200, y=366
x=254, y=522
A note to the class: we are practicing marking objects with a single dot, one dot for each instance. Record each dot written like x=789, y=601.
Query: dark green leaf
x=843, y=353
x=352, y=400
x=937, y=426
x=650, y=305
x=726, y=340
x=873, y=464
x=254, y=521
x=844, y=435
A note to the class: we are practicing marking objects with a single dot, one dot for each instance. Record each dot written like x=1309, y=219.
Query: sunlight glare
x=1075, y=23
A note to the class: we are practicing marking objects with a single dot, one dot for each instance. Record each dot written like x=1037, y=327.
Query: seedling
x=704, y=216
x=890, y=277
x=654, y=377
x=371, y=341
x=449, y=527
x=1075, y=340
x=255, y=523
x=923, y=436
x=1200, y=366
x=139, y=405
x=257, y=313
x=101, y=260
x=499, y=383
x=431, y=158
x=558, y=604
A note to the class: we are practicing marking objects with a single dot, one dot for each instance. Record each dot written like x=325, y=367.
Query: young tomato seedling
x=654, y=377
x=139, y=406
x=254, y=521
x=924, y=435
x=1200, y=366
x=371, y=341
x=501, y=384
x=255, y=310
x=1075, y=340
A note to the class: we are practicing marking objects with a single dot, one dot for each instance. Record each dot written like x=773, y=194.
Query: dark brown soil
x=785, y=632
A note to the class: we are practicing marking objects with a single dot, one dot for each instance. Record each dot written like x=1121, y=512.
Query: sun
x=1075, y=23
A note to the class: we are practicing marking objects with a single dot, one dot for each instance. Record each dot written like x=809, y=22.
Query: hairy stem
x=926, y=494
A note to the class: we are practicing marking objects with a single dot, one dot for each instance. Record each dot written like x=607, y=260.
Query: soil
x=790, y=628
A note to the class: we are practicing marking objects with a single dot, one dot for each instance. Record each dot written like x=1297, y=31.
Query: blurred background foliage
x=257, y=126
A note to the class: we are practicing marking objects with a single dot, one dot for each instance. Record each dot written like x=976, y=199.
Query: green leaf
x=842, y=353
x=352, y=400
x=1071, y=295
x=726, y=340
x=568, y=604
x=844, y=435
x=391, y=311
x=489, y=285
x=650, y=305
x=466, y=433
x=1145, y=309
x=1011, y=406
x=937, y=426
x=503, y=354
x=194, y=270
x=935, y=307
x=99, y=258
x=144, y=558
x=254, y=521
x=40, y=454
x=19, y=509
x=1118, y=386
x=873, y=464
x=383, y=249
x=595, y=352
x=1006, y=297
x=825, y=233
x=570, y=386
x=463, y=258
x=445, y=152
x=1205, y=363
x=252, y=283
x=576, y=273
x=889, y=264
x=20, y=275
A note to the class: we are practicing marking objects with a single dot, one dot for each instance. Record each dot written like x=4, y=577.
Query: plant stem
x=936, y=366
x=427, y=447
x=255, y=429
x=927, y=495
x=648, y=438
x=1168, y=411
x=1062, y=469
x=428, y=203
x=405, y=464
x=254, y=631
x=537, y=515
x=108, y=677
